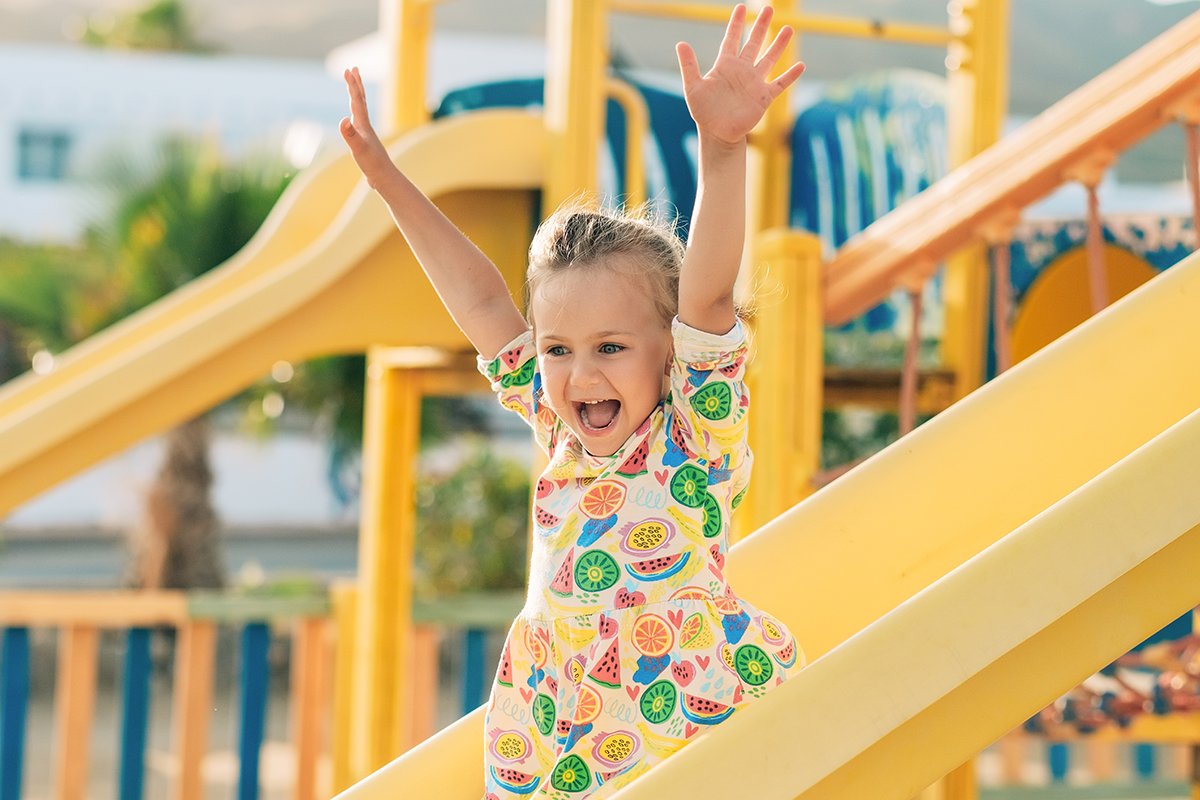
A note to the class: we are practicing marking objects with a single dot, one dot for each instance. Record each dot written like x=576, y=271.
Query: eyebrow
x=598, y=335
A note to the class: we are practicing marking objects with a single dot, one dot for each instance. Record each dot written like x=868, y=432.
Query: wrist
x=712, y=144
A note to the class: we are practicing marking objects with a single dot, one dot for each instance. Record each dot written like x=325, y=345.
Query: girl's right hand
x=369, y=153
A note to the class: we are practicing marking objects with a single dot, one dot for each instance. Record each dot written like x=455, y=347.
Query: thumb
x=689, y=67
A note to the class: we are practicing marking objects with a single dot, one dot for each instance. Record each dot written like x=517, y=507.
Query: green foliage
x=46, y=295
x=185, y=215
x=192, y=213
x=472, y=525
x=161, y=25
x=850, y=435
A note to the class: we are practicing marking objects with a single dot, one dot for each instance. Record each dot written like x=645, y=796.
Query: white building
x=63, y=109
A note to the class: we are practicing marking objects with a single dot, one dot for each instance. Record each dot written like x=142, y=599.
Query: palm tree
x=193, y=213
x=189, y=213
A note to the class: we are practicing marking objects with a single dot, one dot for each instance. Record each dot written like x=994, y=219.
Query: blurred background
x=144, y=143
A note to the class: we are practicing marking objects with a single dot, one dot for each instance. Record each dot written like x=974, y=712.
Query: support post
x=14, y=709
x=406, y=26
x=256, y=641
x=383, y=639
x=423, y=689
x=977, y=65
x=344, y=597
x=785, y=377
x=74, y=708
x=474, y=687
x=194, y=658
x=770, y=161
x=576, y=77
x=1195, y=776
x=308, y=691
x=960, y=783
x=135, y=714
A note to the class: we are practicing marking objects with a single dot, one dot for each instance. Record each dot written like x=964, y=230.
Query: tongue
x=599, y=415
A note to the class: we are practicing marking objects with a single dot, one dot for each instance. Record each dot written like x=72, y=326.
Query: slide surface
x=934, y=630
x=324, y=275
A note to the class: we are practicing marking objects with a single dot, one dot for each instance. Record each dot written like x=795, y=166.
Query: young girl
x=630, y=369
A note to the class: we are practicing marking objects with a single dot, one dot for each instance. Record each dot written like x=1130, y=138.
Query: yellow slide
x=935, y=630
x=327, y=273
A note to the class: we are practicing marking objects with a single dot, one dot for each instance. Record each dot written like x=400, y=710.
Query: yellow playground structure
x=945, y=590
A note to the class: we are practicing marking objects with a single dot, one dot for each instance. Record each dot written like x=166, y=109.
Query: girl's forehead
x=576, y=301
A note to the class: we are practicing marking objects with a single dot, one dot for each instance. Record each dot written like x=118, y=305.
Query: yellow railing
x=903, y=32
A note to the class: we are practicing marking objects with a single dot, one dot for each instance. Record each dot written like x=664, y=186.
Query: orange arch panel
x=1059, y=298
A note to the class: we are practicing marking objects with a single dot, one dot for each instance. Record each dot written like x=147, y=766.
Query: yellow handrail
x=637, y=123
x=1133, y=99
x=828, y=25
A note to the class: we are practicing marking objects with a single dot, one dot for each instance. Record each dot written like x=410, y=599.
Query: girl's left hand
x=730, y=100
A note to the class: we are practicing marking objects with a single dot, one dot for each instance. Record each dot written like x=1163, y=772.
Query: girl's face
x=602, y=350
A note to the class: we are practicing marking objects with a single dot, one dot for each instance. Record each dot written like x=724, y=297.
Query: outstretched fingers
x=733, y=32
x=359, y=119
x=758, y=33
x=786, y=79
x=767, y=62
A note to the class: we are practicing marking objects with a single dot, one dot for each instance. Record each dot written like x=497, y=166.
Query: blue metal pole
x=1060, y=762
x=14, y=707
x=473, y=671
x=1144, y=756
x=256, y=639
x=136, y=713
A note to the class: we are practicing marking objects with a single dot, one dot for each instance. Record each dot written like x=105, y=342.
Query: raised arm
x=468, y=283
x=726, y=104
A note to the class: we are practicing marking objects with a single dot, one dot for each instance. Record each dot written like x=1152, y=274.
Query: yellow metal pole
x=785, y=377
x=344, y=597
x=785, y=431
x=637, y=124
x=406, y=26
x=383, y=636
x=770, y=165
x=576, y=79
x=977, y=65
x=960, y=783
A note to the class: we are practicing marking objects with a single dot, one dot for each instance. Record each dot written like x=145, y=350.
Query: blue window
x=42, y=155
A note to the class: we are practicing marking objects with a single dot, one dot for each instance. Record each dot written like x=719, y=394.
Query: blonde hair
x=585, y=236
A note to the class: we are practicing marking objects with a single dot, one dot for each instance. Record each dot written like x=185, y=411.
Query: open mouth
x=598, y=415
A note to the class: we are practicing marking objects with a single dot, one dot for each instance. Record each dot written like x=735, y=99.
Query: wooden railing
x=1075, y=140
x=321, y=629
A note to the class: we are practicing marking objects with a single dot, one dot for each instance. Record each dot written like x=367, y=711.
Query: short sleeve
x=517, y=383
x=708, y=389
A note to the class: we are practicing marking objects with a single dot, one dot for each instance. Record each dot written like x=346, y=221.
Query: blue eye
x=610, y=349
x=556, y=350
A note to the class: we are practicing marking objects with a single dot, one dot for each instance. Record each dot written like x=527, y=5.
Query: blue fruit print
x=697, y=377
x=674, y=456
x=719, y=474
x=650, y=668
x=576, y=733
x=735, y=626
x=537, y=677
x=593, y=529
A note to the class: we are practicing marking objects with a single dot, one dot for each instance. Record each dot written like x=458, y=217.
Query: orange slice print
x=537, y=649
x=602, y=499
x=652, y=636
x=726, y=605
x=587, y=705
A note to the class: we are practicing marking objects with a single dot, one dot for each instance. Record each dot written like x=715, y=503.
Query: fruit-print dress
x=631, y=643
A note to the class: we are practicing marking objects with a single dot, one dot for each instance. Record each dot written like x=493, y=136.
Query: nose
x=584, y=374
